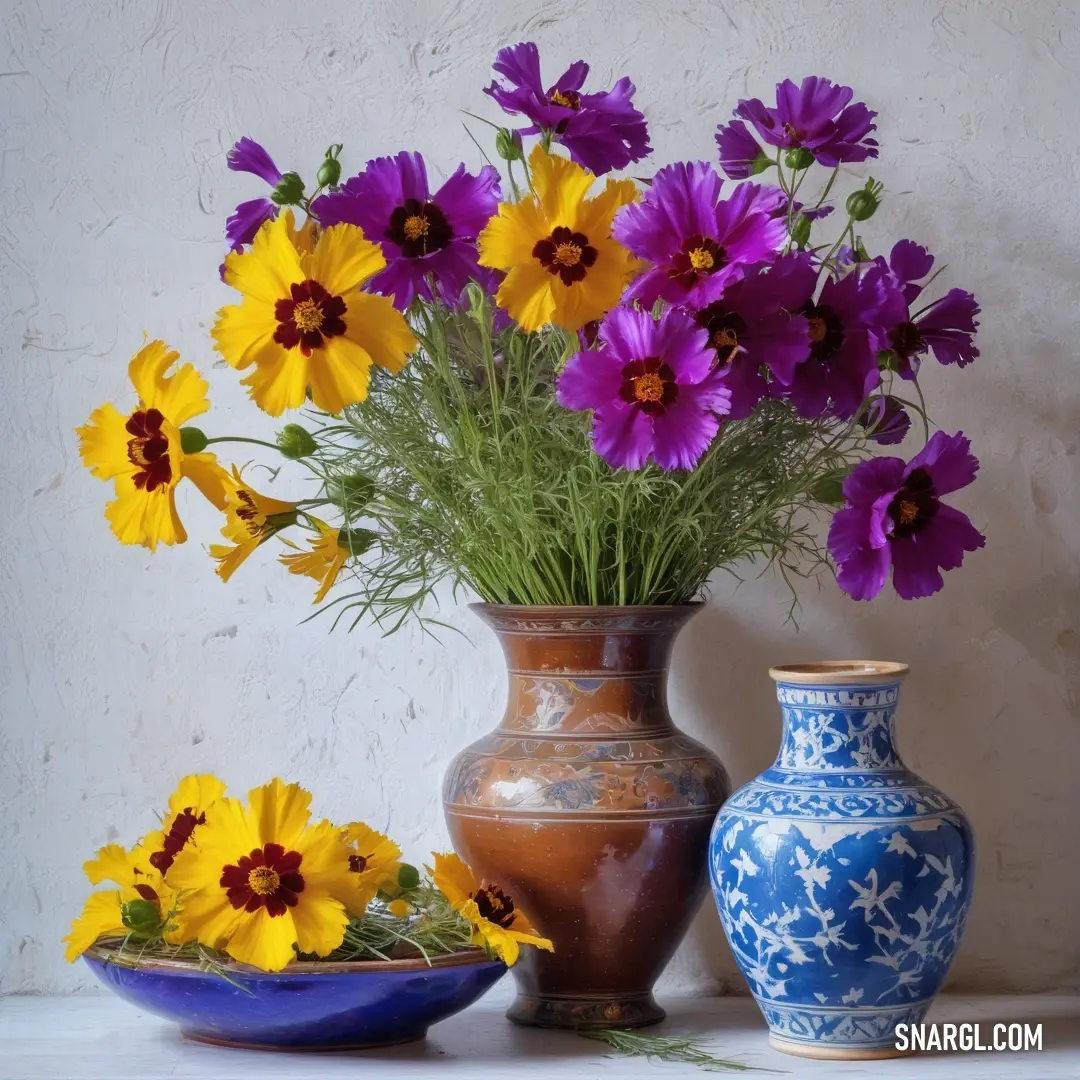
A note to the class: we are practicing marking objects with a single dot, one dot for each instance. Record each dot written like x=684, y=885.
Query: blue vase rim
x=104, y=953
x=840, y=673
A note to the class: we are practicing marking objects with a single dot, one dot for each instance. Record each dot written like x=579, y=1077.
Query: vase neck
x=838, y=728
x=587, y=672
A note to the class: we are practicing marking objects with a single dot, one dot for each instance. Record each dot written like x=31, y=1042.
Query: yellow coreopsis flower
x=304, y=323
x=562, y=266
x=323, y=562
x=496, y=923
x=261, y=880
x=250, y=520
x=141, y=452
x=375, y=860
x=103, y=914
x=139, y=872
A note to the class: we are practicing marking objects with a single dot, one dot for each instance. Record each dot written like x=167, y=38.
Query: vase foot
x=585, y=1013
x=303, y=1048
x=822, y=1052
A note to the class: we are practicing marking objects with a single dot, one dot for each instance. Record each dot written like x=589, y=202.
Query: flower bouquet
x=244, y=898
x=576, y=397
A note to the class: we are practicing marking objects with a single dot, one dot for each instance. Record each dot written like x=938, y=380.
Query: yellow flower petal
x=103, y=444
x=263, y=941
x=142, y=517
x=380, y=330
x=267, y=271
x=319, y=922
x=560, y=185
x=280, y=383
x=453, y=878
x=229, y=557
x=207, y=475
x=509, y=238
x=206, y=917
x=178, y=397
x=197, y=793
x=527, y=293
x=339, y=375
x=596, y=214
x=343, y=259
x=280, y=812
x=244, y=333
x=323, y=563
x=101, y=917
x=112, y=863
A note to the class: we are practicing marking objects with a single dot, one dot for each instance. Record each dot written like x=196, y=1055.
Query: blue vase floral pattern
x=843, y=880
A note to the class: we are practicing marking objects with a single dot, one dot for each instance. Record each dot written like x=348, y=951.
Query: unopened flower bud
x=861, y=205
x=508, y=145
x=296, y=442
x=356, y=541
x=289, y=191
x=799, y=158
x=408, y=876
x=800, y=231
x=141, y=917
x=330, y=170
x=829, y=489
x=192, y=440
x=351, y=492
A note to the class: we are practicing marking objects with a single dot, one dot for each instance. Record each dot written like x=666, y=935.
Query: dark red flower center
x=826, y=331
x=698, y=257
x=565, y=253
x=913, y=505
x=269, y=877
x=149, y=449
x=358, y=863
x=568, y=99
x=649, y=384
x=906, y=340
x=419, y=228
x=308, y=317
x=179, y=834
x=495, y=905
x=725, y=331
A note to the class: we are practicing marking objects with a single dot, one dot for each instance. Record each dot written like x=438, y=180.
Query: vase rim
x=584, y=609
x=839, y=672
x=109, y=952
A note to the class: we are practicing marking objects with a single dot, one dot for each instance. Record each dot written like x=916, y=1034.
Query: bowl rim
x=108, y=953
x=839, y=672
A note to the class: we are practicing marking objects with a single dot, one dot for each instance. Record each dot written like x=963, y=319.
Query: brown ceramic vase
x=589, y=807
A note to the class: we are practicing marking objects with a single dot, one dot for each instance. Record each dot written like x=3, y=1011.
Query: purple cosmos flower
x=423, y=236
x=893, y=516
x=848, y=325
x=885, y=420
x=756, y=325
x=740, y=155
x=601, y=131
x=652, y=387
x=246, y=220
x=698, y=244
x=816, y=116
x=946, y=327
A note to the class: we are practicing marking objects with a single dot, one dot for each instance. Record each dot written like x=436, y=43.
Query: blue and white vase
x=843, y=880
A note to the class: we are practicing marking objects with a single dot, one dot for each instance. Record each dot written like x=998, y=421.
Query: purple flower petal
x=681, y=437
x=942, y=544
x=910, y=262
x=886, y=421
x=622, y=435
x=248, y=156
x=740, y=152
x=589, y=380
x=245, y=221
x=864, y=573
x=948, y=327
x=469, y=201
x=949, y=460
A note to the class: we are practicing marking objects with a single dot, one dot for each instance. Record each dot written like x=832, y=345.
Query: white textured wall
x=121, y=671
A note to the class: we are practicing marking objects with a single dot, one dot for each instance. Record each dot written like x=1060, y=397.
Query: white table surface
x=94, y=1037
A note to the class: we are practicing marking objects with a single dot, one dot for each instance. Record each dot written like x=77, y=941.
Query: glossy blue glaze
x=334, y=1009
x=843, y=880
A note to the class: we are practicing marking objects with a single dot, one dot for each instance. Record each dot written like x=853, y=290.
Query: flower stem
x=237, y=438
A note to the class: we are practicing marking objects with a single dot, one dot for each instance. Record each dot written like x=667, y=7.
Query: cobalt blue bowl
x=309, y=1006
